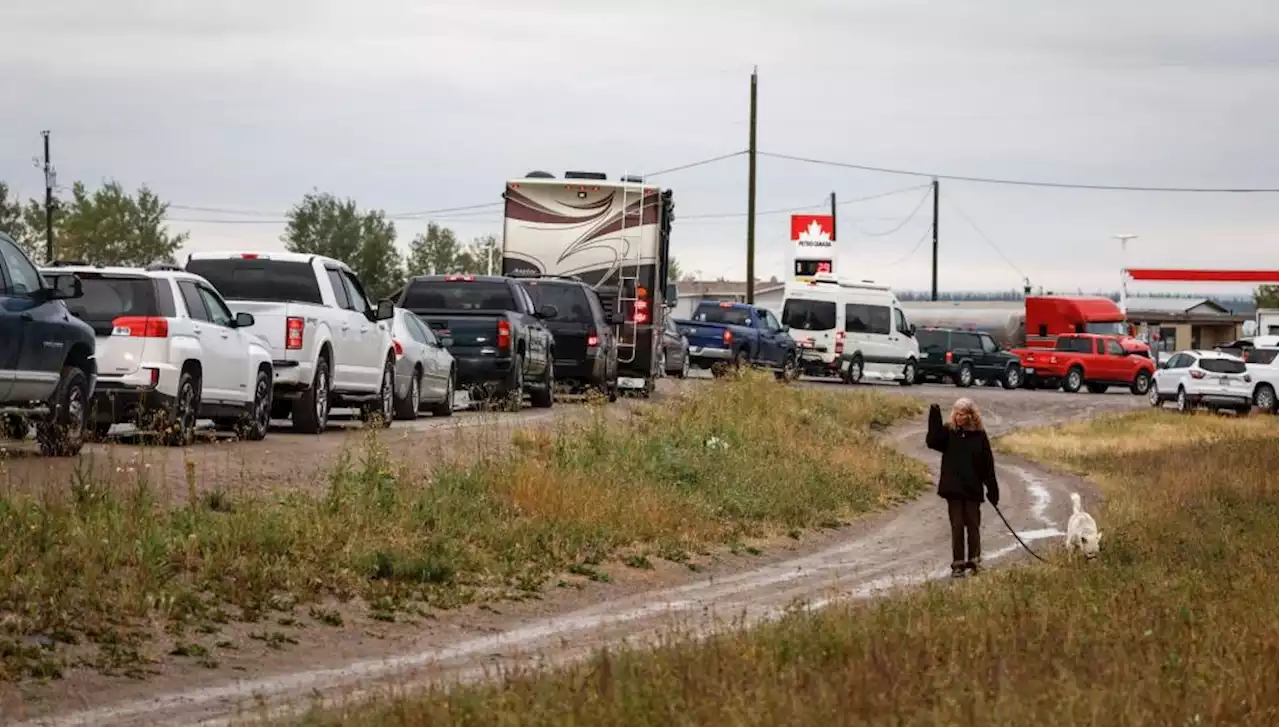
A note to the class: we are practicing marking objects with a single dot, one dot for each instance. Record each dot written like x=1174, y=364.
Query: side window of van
x=861, y=318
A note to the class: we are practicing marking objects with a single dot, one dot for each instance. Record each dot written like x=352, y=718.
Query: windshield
x=809, y=315
x=1222, y=365
x=458, y=295
x=275, y=281
x=106, y=298
x=731, y=316
x=1109, y=328
x=570, y=300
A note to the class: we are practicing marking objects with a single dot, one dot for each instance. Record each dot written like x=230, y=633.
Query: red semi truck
x=1032, y=326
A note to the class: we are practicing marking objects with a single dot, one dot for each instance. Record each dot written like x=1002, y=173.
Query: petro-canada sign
x=812, y=231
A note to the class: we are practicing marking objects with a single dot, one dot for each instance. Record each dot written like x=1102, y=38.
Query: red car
x=1095, y=362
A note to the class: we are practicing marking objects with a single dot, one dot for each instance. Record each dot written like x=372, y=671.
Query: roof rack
x=68, y=263
x=156, y=267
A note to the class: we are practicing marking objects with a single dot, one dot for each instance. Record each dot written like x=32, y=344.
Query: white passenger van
x=850, y=329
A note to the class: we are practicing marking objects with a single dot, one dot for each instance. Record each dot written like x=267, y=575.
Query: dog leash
x=1016, y=536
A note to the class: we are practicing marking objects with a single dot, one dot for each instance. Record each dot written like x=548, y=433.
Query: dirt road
x=905, y=546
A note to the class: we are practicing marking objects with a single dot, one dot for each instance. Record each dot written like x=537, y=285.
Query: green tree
x=322, y=224
x=482, y=256
x=674, y=272
x=436, y=252
x=13, y=218
x=1267, y=296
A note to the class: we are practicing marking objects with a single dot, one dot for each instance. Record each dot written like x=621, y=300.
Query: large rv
x=614, y=236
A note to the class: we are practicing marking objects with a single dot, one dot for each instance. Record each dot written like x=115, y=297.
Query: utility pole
x=48, y=201
x=1124, y=274
x=833, y=217
x=751, y=195
x=933, y=289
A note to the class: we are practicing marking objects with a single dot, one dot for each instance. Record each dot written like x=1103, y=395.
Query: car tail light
x=140, y=327
x=640, y=312
x=399, y=347
x=839, y=342
x=593, y=339
x=727, y=337
x=456, y=278
x=249, y=256
x=948, y=357
x=293, y=328
x=504, y=335
x=1197, y=374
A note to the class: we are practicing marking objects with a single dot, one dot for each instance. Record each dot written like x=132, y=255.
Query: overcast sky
x=410, y=105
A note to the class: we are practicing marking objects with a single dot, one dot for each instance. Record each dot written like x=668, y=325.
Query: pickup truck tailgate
x=470, y=334
x=703, y=334
x=270, y=322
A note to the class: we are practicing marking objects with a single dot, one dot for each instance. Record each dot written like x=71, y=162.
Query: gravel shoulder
x=897, y=548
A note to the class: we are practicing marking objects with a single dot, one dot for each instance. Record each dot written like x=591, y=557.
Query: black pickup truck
x=47, y=365
x=494, y=331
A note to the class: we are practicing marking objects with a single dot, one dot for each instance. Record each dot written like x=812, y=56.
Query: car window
x=988, y=343
x=900, y=321
x=727, y=315
x=1181, y=361
x=107, y=297
x=1114, y=348
x=809, y=315
x=219, y=315
x=355, y=292
x=195, y=304
x=24, y=279
x=1263, y=355
x=1223, y=365
x=773, y=321
x=528, y=301
x=860, y=318
x=571, y=301
x=932, y=338
x=339, y=288
x=428, y=336
x=442, y=295
x=252, y=278
x=410, y=326
x=965, y=340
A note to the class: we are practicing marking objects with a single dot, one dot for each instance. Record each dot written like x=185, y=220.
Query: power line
x=983, y=235
x=910, y=216
x=914, y=249
x=801, y=208
x=699, y=163
x=1020, y=182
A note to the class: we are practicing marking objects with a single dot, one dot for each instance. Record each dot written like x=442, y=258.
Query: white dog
x=1082, y=531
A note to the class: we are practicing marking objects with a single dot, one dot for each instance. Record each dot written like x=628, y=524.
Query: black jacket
x=967, y=462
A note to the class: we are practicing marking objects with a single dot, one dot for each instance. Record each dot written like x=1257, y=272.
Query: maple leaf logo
x=815, y=233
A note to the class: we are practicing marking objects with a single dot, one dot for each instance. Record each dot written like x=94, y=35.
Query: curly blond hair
x=965, y=415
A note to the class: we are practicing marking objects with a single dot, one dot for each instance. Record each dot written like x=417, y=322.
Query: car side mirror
x=911, y=331
x=244, y=320
x=547, y=312
x=445, y=341
x=64, y=287
x=385, y=311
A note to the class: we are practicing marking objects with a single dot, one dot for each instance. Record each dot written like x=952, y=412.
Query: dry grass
x=1175, y=624
x=108, y=564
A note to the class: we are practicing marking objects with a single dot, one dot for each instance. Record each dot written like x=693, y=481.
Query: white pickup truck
x=331, y=347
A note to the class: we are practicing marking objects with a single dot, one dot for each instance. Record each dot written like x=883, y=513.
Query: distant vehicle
x=851, y=329
x=614, y=236
x=47, y=366
x=499, y=342
x=170, y=352
x=586, y=345
x=425, y=370
x=1090, y=361
x=330, y=345
x=1032, y=325
x=1267, y=321
x=675, y=350
x=728, y=335
x=1264, y=368
x=964, y=358
x=1212, y=379
x=1242, y=346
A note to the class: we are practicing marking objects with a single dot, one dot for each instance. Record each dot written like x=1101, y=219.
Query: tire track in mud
x=904, y=547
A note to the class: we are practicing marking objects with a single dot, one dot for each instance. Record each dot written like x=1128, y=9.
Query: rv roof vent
x=585, y=175
x=538, y=174
x=632, y=179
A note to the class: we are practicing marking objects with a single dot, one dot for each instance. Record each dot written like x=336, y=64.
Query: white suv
x=1264, y=367
x=1210, y=378
x=330, y=346
x=170, y=352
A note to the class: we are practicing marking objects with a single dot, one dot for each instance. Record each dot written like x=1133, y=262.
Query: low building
x=690, y=293
x=1175, y=324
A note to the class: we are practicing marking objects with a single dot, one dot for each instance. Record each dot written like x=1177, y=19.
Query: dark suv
x=47, y=366
x=586, y=346
x=964, y=357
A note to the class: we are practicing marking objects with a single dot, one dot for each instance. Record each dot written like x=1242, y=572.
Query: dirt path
x=906, y=546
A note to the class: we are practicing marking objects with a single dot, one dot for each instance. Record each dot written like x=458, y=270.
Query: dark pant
x=966, y=519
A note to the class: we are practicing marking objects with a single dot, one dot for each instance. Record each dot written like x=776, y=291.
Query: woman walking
x=967, y=467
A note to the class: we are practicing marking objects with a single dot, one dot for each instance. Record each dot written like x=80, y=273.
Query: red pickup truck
x=1095, y=362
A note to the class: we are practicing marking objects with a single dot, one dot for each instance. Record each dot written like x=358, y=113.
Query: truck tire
x=1012, y=378
x=909, y=373
x=383, y=409
x=854, y=374
x=544, y=397
x=964, y=378
x=180, y=423
x=311, y=410
x=62, y=434
x=1264, y=397
x=513, y=397
x=1074, y=379
x=1141, y=383
x=740, y=360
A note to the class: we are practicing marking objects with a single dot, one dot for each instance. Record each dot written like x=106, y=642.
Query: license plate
x=630, y=382
x=806, y=344
x=1224, y=381
x=1029, y=371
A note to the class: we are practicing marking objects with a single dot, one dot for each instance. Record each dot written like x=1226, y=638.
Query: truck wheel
x=740, y=360
x=964, y=378
x=384, y=408
x=513, y=399
x=544, y=397
x=788, y=372
x=1074, y=380
x=257, y=421
x=311, y=410
x=1012, y=378
x=1141, y=383
x=62, y=434
x=1097, y=388
x=1181, y=402
x=180, y=424
x=908, y=374
x=1264, y=397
